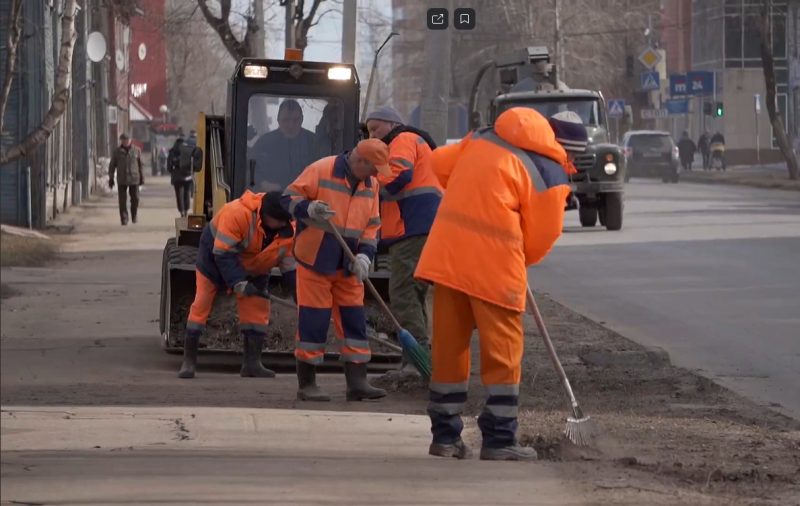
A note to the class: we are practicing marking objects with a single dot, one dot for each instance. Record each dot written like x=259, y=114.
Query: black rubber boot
x=458, y=450
x=513, y=452
x=190, y=345
x=307, y=384
x=251, y=359
x=358, y=388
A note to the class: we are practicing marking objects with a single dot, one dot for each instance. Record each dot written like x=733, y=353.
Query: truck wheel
x=665, y=179
x=601, y=215
x=588, y=216
x=675, y=178
x=613, y=211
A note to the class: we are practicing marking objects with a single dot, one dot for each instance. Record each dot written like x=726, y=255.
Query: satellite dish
x=120, y=60
x=142, y=51
x=96, y=47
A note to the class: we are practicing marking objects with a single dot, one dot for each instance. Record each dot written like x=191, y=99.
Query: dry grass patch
x=22, y=251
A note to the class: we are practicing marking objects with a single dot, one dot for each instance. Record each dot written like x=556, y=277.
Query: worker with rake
x=238, y=249
x=409, y=200
x=502, y=211
x=342, y=192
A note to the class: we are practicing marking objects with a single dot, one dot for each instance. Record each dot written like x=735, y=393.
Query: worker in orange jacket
x=238, y=249
x=336, y=191
x=410, y=198
x=502, y=211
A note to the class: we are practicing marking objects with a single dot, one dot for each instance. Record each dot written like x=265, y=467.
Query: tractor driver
x=281, y=155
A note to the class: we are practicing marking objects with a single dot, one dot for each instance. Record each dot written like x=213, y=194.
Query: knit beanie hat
x=271, y=206
x=387, y=114
x=570, y=132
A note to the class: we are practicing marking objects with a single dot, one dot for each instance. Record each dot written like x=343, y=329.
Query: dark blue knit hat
x=570, y=132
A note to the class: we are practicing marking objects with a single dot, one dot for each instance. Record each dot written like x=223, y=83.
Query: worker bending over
x=238, y=249
x=410, y=198
x=338, y=191
x=502, y=211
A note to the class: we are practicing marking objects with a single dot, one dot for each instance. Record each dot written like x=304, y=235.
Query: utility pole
x=261, y=36
x=289, y=24
x=436, y=80
x=559, y=49
x=349, y=25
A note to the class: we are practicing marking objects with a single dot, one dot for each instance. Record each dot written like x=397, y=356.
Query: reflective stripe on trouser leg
x=452, y=330
x=406, y=293
x=314, y=300
x=501, y=341
x=253, y=315
x=350, y=319
x=498, y=420
x=205, y=292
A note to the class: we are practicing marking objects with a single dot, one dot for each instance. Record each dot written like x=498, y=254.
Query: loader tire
x=183, y=255
x=162, y=320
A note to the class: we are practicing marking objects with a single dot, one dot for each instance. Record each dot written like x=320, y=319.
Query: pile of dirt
x=6, y=292
x=661, y=424
x=26, y=251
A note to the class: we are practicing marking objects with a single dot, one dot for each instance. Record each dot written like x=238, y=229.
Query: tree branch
x=14, y=36
x=61, y=93
x=222, y=26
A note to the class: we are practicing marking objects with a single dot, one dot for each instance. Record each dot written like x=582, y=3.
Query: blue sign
x=651, y=81
x=677, y=106
x=677, y=85
x=701, y=82
x=616, y=108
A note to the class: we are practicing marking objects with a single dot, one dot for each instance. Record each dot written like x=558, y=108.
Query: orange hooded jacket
x=502, y=210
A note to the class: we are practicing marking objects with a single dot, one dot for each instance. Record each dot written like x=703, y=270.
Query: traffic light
x=707, y=108
x=719, y=108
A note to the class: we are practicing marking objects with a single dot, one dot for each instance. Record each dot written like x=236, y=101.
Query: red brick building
x=147, y=82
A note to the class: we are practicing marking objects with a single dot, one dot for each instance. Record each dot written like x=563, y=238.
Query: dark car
x=651, y=154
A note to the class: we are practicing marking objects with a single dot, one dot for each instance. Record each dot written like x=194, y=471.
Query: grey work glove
x=319, y=210
x=360, y=267
x=248, y=289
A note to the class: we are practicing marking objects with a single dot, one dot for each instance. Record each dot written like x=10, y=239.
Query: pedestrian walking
x=182, y=178
x=502, y=211
x=409, y=198
x=704, y=146
x=126, y=165
x=686, y=150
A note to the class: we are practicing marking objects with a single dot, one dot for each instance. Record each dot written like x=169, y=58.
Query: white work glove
x=319, y=210
x=360, y=267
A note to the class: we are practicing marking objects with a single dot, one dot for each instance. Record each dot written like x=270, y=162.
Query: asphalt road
x=710, y=273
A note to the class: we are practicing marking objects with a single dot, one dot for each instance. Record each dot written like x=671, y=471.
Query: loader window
x=586, y=109
x=289, y=134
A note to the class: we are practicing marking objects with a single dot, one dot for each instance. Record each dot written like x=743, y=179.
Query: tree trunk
x=221, y=25
x=436, y=80
x=768, y=62
x=61, y=93
x=12, y=44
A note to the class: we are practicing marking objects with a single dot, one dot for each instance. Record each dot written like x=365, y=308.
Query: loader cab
x=283, y=115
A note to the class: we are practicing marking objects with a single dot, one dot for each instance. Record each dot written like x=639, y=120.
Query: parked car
x=650, y=153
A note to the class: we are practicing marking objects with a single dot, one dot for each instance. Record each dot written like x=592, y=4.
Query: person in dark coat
x=126, y=165
x=181, y=178
x=704, y=146
x=686, y=150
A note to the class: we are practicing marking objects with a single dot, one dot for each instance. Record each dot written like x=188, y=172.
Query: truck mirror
x=191, y=158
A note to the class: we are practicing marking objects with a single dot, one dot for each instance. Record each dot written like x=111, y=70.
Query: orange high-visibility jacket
x=232, y=246
x=357, y=215
x=502, y=209
x=411, y=196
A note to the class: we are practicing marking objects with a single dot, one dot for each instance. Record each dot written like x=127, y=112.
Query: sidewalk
x=250, y=456
x=772, y=176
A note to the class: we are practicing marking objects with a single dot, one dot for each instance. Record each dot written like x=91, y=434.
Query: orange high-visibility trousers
x=253, y=311
x=455, y=315
x=319, y=295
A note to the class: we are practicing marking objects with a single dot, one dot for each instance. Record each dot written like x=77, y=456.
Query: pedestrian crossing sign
x=651, y=81
x=616, y=108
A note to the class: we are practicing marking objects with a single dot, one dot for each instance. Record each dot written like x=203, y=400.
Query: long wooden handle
x=534, y=309
x=367, y=282
x=292, y=305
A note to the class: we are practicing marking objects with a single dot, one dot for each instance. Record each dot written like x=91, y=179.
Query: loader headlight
x=256, y=71
x=610, y=169
x=340, y=73
x=196, y=222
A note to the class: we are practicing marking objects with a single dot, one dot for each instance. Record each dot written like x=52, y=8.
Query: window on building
x=779, y=32
x=752, y=36
x=733, y=36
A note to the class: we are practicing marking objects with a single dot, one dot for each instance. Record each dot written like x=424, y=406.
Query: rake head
x=581, y=431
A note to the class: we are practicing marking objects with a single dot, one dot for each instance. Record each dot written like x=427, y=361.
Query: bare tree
x=61, y=92
x=12, y=45
x=768, y=63
x=238, y=49
x=304, y=21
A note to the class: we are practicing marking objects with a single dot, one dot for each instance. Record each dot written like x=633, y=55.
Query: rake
x=418, y=355
x=581, y=429
x=374, y=339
